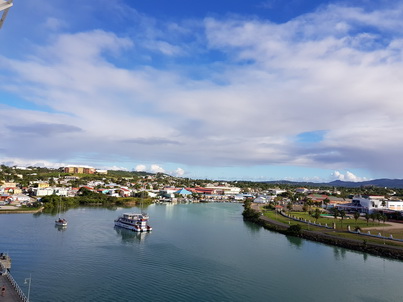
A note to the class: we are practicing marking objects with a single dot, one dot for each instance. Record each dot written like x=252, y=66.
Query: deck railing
x=17, y=288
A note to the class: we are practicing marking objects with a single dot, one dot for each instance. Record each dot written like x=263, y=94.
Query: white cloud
x=140, y=168
x=31, y=162
x=179, y=172
x=99, y=90
x=157, y=169
x=347, y=176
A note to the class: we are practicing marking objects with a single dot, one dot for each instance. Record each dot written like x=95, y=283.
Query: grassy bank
x=338, y=237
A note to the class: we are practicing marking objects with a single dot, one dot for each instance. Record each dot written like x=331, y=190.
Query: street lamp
x=28, y=280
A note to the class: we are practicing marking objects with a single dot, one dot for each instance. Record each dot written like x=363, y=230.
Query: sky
x=224, y=89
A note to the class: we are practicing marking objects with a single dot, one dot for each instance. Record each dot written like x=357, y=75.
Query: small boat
x=61, y=221
x=133, y=221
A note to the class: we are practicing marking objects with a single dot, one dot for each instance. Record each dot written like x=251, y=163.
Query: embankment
x=381, y=250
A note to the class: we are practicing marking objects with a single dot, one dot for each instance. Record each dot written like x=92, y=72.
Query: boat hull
x=131, y=227
x=61, y=222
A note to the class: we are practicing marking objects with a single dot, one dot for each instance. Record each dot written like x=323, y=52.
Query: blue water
x=196, y=252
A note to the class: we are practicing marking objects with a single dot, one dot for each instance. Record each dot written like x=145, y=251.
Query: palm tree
x=342, y=215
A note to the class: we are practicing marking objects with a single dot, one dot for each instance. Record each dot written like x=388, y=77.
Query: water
x=196, y=252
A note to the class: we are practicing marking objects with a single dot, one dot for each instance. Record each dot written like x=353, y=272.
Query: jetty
x=9, y=289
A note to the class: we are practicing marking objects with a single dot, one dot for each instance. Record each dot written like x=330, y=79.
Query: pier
x=9, y=289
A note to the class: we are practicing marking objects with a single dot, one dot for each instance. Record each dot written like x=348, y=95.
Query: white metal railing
x=17, y=288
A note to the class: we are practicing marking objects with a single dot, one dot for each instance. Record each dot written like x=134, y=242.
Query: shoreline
x=18, y=211
x=381, y=250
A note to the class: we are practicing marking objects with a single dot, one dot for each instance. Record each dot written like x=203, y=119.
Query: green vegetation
x=294, y=230
x=87, y=197
x=249, y=213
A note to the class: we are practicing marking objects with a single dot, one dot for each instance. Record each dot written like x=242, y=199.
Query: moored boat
x=134, y=221
x=60, y=221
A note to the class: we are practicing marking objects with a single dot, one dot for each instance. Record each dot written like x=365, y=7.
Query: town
x=26, y=187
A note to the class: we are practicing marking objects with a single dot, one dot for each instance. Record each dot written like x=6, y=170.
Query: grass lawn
x=342, y=226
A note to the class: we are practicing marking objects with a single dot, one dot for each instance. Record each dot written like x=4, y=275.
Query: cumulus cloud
x=319, y=72
x=140, y=168
x=179, y=172
x=26, y=162
x=157, y=169
x=347, y=176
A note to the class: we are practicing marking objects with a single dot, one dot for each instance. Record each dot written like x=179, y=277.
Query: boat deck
x=10, y=294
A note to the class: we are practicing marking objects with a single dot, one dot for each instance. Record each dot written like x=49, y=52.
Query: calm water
x=196, y=252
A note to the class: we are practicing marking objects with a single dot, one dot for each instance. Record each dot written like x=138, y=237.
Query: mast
x=4, y=7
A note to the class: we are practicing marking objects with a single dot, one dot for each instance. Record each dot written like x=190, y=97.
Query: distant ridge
x=383, y=182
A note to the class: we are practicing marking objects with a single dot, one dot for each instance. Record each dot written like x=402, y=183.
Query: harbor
x=196, y=252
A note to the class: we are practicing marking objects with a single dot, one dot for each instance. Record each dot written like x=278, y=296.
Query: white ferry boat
x=134, y=222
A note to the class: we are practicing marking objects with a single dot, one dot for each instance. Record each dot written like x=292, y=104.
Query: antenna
x=4, y=7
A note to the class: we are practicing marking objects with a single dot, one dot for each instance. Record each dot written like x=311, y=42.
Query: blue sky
x=231, y=89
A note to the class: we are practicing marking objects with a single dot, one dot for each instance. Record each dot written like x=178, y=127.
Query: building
x=101, y=171
x=396, y=205
x=365, y=204
x=221, y=190
x=301, y=190
x=79, y=170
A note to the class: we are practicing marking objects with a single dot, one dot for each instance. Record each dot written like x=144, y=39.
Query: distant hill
x=383, y=182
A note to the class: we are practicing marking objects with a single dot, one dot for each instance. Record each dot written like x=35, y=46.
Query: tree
x=326, y=201
x=336, y=213
x=367, y=217
x=316, y=214
x=342, y=215
x=373, y=217
x=289, y=207
x=356, y=216
x=379, y=217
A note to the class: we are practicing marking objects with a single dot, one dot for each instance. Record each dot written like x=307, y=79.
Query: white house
x=366, y=203
x=261, y=199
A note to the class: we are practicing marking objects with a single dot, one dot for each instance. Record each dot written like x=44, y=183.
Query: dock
x=9, y=289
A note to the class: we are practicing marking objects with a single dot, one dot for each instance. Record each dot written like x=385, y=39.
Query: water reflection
x=61, y=228
x=339, y=253
x=295, y=241
x=131, y=236
x=253, y=227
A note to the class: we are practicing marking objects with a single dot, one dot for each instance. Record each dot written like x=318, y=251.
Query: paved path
x=392, y=226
